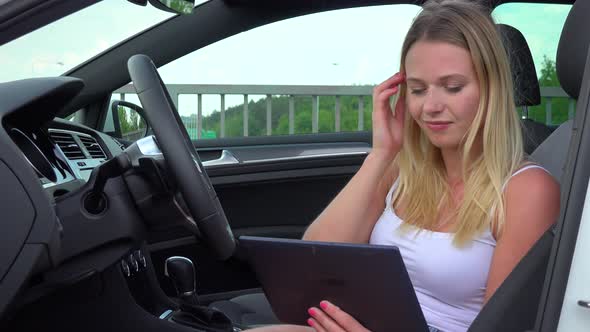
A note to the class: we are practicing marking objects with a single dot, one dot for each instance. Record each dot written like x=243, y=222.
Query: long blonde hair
x=422, y=185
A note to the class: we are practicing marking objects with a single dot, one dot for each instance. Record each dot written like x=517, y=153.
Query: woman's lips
x=437, y=125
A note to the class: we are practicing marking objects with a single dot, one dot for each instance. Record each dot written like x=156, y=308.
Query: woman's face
x=442, y=91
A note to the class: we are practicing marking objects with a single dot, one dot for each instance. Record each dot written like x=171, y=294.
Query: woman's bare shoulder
x=531, y=176
x=531, y=191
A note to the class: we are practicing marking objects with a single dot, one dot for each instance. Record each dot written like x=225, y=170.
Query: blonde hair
x=422, y=177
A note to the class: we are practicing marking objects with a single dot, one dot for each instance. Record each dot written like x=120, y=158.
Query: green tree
x=123, y=120
x=548, y=73
x=133, y=121
x=559, y=106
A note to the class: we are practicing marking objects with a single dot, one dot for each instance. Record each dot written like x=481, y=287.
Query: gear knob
x=182, y=272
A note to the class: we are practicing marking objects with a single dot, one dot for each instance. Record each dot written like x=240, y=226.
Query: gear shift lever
x=182, y=272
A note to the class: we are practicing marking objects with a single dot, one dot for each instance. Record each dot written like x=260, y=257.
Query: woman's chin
x=444, y=143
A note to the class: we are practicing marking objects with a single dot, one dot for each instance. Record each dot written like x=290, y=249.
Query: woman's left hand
x=330, y=318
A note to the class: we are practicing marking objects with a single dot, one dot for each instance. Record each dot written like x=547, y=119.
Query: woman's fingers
x=315, y=325
x=383, y=92
x=323, y=321
x=383, y=96
x=387, y=125
x=342, y=318
x=332, y=319
x=389, y=83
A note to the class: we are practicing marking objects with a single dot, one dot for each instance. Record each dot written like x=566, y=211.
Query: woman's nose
x=433, y=102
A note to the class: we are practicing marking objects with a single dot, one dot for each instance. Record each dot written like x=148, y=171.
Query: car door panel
x=266, y=190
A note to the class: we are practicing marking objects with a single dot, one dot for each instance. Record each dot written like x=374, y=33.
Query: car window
x=315, y=73
x=305, y=75
x=541, y=26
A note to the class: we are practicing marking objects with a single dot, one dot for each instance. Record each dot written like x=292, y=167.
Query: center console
x=185, y=310
x=126, y=296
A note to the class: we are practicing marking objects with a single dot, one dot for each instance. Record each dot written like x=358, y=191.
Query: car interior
x=101, y=233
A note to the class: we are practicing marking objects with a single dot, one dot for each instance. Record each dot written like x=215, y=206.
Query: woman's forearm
x=350, y=217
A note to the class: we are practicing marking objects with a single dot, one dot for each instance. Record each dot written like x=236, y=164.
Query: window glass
x=66, y=43
x=309, y=74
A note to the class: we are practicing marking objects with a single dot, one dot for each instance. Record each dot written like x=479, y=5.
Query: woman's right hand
x=331, y=318
x=388, y=126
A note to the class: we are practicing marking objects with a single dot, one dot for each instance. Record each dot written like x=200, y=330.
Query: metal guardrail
x=556, y=92
x=313, y=91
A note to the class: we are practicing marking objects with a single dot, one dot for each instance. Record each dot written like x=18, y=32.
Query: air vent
x=67, y=144
x=92, y=147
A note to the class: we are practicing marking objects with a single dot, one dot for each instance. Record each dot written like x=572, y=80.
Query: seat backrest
x=571, y=59
x=524, y=75
x=526, y=85
x=552, y=153
x=514, y=305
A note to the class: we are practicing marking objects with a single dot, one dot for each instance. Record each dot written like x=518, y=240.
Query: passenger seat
x=540, y=142
x=515, y=304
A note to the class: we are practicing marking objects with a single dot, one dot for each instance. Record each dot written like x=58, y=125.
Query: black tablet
x=369, y=282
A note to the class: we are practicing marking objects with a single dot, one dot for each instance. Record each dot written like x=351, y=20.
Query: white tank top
x=450, y=282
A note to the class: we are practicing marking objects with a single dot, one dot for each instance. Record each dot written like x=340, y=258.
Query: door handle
x=226, y=158
x=584, y=304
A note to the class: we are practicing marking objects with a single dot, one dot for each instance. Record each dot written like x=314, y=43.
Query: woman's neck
x=453, y=161
x=453, y=164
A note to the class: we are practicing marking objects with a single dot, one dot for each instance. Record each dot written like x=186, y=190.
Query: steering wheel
x=182, y=160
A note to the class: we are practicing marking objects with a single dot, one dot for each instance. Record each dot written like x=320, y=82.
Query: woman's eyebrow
x=442, y=79
x=414, y=80
x=452, y=76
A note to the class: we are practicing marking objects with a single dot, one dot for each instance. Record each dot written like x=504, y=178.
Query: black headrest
x=573, y=48
x=524, y=75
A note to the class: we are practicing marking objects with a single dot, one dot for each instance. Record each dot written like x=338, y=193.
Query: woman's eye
x=454, y=89
x=417, y=91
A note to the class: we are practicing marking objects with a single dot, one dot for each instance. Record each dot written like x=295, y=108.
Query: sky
x=346, y=47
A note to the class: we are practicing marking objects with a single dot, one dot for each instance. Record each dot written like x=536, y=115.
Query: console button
x=133, y=263
x=125, y=268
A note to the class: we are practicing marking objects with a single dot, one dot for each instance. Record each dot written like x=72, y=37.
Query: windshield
x=64, y=44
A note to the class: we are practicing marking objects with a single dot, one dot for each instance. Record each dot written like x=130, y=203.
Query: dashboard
x=61, y=154
x=46, y=165
x=82, y=151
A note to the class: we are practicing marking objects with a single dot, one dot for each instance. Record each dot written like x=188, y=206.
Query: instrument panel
x=62, y=159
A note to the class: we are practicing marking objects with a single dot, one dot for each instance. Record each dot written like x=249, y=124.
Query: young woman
x=447, y=180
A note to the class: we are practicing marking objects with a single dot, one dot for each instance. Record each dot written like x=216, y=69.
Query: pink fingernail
x=311, y=312
x=310, y=322
x=324, y=305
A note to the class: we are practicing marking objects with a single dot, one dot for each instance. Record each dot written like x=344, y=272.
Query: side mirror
x=182, y=7
x=129, y=120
